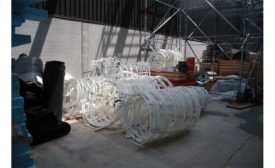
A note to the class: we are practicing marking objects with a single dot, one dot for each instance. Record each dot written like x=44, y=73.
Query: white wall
x=78, y=43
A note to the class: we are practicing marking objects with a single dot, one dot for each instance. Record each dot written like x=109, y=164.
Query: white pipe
x=155, y=114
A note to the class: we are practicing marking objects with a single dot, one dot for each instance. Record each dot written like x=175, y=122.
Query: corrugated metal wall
x=123, y=13
x=130, y=14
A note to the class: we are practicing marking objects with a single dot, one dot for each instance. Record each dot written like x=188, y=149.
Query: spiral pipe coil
x=98, y=98
x=149, y=115
x=161, y=58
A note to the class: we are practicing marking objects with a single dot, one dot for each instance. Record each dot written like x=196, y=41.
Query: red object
x=190, y=63
x=177, y=78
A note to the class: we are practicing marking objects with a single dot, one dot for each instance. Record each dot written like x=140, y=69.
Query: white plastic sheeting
x=154, y=114
x=227, y=89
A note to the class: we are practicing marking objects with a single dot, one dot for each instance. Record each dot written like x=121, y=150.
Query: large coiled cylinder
x=98, y=98
x=155, y=114
x=161, y=59
x=109, y=95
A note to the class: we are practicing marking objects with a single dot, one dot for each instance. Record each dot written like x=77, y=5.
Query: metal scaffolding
x=245, y=29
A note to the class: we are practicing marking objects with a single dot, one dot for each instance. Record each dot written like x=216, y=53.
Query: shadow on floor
x=253, y=121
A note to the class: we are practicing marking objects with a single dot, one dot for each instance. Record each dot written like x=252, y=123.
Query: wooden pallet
x=207, y=65
x=178, y=78
x=171, y=75
x=227, y=67
x=240, y=106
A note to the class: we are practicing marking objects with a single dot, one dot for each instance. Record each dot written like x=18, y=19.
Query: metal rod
x=222, y=16
x=218, y=36
x=193, y=52
x=165, y=15
x=214, y=53
x=158, y=28
x=185, y=30
x=194, y=23
x=189, y=36
x=252, y=68
x=227, y=36
x=253, y=24
x=191, y=20
x=145, y=21
x=243, y=41
x=162, y=42
x=180, y=28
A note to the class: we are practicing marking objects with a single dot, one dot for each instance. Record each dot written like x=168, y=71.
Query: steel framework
x=247, y=26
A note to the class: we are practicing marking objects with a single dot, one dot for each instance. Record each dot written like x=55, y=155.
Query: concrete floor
x=222, y=138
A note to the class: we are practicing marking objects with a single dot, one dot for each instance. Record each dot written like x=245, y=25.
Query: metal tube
x=243, y=41
x=194, y=23
x=214, y=53
x=157, y=29
x=163, y=42
x=253, y=24
x=185, y=30
x=252, y=68
x=166, y=14
x=189, y=36
x=193, y=52
x=221, y=15
x=180, y=28
x=145, y=26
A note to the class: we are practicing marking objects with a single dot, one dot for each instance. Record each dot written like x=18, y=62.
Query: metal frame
x=241, y=38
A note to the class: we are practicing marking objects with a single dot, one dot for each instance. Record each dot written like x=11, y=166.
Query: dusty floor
x=222, y=138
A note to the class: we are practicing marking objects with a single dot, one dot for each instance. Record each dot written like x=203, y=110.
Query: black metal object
x=42, y=123
x=53, y=86
x=44, y=126
x=182, y=66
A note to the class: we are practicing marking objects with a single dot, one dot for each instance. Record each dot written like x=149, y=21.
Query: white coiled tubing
x=155, y=114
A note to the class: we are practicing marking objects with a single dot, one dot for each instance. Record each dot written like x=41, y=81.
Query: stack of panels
x=258, y=68
x=178, y=78
x=21, y=157
x=211, y=49
x=170, y=75
x=206, y=66
x=258, y=71
x=227, y=67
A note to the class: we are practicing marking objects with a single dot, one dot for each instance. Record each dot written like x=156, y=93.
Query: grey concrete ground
x=222, y=138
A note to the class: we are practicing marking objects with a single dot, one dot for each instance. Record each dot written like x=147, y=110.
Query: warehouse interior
x=137, y=83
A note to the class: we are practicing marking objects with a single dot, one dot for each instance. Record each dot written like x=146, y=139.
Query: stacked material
x=213, y=50
x=21, y=156
x=97, y=99
x=149, y=115
x=114, y=68
x=97, y=96
x=227, y=67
